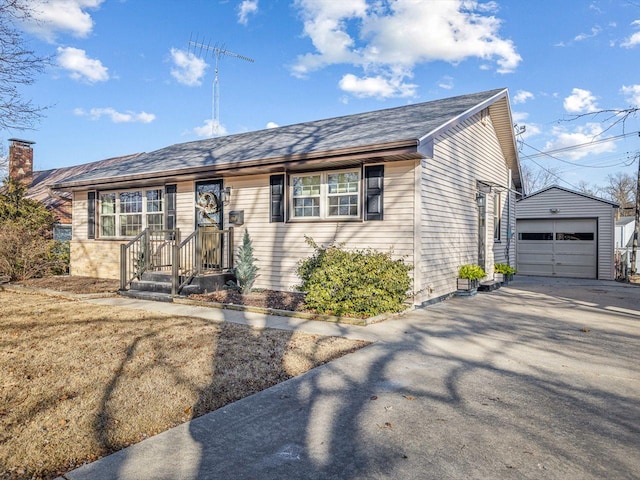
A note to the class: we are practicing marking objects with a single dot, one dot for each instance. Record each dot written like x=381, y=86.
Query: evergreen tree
x=246, y=270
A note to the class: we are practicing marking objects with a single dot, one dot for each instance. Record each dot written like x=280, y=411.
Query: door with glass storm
x=209, y=215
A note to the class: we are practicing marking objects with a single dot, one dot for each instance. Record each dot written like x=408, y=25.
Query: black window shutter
x=373, y=192
x=91, y=215
x=170, y=206
x=276, y=183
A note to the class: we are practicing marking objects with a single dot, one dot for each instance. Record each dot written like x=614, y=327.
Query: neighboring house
x=562, y=233
x=38, y=182
x=434, y=183
x=625, y=227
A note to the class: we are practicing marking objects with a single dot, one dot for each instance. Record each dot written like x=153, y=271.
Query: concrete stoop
x=157, y=286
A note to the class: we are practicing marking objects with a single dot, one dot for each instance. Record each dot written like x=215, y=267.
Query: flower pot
x=503, y=277
x=466, y=285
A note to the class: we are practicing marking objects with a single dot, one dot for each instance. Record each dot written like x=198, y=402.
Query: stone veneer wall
x=93, y=258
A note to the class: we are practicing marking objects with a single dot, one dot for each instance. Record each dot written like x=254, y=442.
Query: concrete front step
x=144, y=295
x=157, y=285
x=489, y=286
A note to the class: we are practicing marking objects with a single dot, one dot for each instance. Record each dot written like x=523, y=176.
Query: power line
x=555, y=175
x=541, y=153
x=580, y=145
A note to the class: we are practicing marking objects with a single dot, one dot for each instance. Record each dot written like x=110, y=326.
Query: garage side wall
x=557, y=203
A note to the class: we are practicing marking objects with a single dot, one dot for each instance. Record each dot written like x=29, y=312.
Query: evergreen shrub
x=361, y=283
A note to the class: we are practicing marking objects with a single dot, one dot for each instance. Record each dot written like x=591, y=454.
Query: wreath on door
x=208, y=204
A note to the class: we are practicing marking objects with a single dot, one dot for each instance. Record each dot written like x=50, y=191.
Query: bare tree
x=585, y=187
x=621, y=188
x=535, y=179
x=19, y=66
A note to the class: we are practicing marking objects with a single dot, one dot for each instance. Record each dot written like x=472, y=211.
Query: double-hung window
x=127, y=213
x=327, y=195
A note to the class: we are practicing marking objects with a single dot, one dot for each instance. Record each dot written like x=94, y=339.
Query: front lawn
x=80, y=381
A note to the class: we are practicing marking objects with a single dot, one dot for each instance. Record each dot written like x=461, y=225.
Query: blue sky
x=124, y=78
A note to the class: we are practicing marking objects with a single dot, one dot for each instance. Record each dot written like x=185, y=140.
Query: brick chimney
x=21, y=161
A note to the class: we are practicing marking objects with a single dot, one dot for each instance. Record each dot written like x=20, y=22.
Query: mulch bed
x=291, y=301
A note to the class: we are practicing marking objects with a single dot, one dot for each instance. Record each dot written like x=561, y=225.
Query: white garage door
x=558, y=248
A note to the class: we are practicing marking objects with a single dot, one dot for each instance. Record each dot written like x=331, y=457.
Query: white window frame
x=324, y=196
x=497, y=217
x=117, y=215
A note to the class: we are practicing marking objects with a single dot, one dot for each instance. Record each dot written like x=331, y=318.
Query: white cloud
x=210, y=129
x=377, y=86
x=82, y=67
x=583, y=36
x=387, y=39
x=633, y=94
x=246, y=8
x=522, y=96
x=188, y=69
x=446, y=82
x=115, y=116
x=51, y=17
x=634, y=39
x=580, y=101
x=272, y=125
x=581, y=135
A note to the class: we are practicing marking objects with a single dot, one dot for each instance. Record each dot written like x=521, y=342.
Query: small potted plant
x=503, y=273
x=468, y=278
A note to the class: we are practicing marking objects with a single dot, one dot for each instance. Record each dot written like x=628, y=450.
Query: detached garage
x=562, y=233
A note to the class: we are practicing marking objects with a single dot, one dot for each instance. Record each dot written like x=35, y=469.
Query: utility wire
x=580, y=145
x=541, y=153
x=555, y=175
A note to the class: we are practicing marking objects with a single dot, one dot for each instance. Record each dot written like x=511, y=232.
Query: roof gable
x=557, y=187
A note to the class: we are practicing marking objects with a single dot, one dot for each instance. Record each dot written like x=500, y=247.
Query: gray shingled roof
x=558, y=187
x=359, y=131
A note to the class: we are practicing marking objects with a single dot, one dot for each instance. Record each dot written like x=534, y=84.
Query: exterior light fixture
x=226, y=195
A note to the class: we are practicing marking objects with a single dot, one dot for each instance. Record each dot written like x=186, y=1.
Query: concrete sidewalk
x=539, y=379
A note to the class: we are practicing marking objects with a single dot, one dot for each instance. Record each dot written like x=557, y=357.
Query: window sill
x=325, y=220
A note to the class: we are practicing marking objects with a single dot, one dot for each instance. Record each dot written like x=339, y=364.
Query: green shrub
x=245, y=270
x=471, y=272
x=504, y=269
x=361, y=283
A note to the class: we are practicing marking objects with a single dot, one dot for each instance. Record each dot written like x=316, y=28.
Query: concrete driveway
x=538, y=380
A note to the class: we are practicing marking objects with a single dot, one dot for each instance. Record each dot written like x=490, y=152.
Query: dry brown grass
x=79, y=381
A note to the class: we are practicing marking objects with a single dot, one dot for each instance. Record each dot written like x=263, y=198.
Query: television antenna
x=217, y=52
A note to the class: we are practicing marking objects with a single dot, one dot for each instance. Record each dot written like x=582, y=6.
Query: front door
x=209, y=216
x=209, y=204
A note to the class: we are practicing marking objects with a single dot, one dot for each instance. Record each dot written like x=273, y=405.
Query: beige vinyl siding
x=278, y=247
x=449, y=214
x=185, y=208
x=79, y=215
x=573, y=205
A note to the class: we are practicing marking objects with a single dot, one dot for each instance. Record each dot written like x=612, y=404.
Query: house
x=625, y=227
x=433, y=182
x=38, y=182
x=563, y=233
